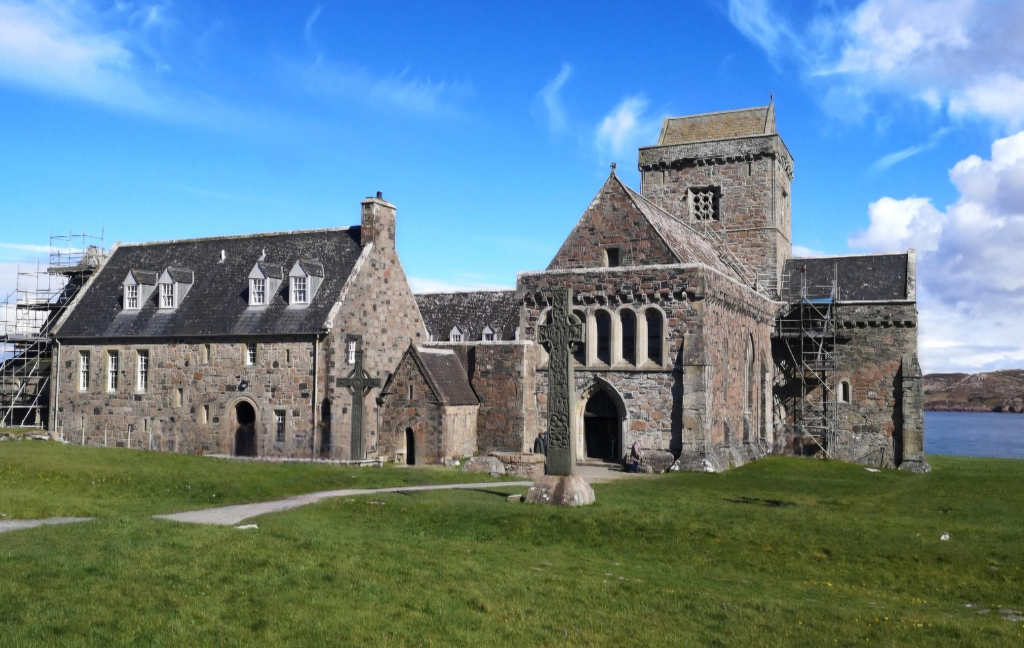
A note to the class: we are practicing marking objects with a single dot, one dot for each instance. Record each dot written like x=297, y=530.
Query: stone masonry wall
x=872, y=341
x=753, y=177
x=612, y=220
x=459, y=439
x=422, y=413
x=379, y=308
x=280, y=380
x=502, y=374
x=677, y=406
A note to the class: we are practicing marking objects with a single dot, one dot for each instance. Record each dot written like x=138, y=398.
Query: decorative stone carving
x=359, y=383
x=561, y=335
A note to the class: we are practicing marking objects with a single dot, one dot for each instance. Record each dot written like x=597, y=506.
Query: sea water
x=974, y=434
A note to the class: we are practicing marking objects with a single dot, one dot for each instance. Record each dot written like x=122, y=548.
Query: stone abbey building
x=705, y=340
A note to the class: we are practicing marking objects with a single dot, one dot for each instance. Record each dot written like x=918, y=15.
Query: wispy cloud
x=626, y=128
x=313, y=16
x=337, y=80
x=551, y=100
x=896, y=157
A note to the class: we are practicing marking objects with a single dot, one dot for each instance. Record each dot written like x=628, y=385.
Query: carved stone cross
x=359, y=383
x=561, y=335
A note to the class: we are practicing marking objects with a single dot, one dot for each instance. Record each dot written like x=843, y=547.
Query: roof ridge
x=242, y=236
x=721, y=112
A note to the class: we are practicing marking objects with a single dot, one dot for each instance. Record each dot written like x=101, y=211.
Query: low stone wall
x=521, y=464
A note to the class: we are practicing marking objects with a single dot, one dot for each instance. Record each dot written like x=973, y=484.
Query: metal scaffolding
x=27, y=320
x=808, y=329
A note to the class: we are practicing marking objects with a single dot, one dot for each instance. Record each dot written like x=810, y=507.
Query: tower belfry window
x=704, y=203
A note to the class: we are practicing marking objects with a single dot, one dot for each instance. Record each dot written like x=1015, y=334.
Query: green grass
x=784, y=552
x=44, y=479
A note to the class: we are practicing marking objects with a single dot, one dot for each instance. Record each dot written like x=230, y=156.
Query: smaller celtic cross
x=561, y=335
x=359, y=383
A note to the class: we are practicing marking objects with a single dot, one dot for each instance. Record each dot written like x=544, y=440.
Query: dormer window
x=138, y=288
x=455, y=335
x=306, y=276
x=299, y=290
x=488, y=334
x=131, y=297
x=259, y=292
x=166, y=295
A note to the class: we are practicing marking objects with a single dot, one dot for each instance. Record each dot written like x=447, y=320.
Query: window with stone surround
x=604, y=336
x=250, y=353
x=627, y=320
x=411, y=392
x=204, y=414
x=206, y=354
x=113, y=359
x=351, y=352
x=611, y=257
x=83, y=370
x=142, y=370
x=704, y=203
x=579, y=354
x=654, y=335
x=179, y=397
x=844, y=392
x=279, y=420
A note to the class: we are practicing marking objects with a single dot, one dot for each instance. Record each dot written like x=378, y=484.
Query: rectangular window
x=204, y=414
x=112, y=364
x=705, y=203
x=259, y=291
x=179, y=396
x=83, y=370
x=279, y=419
x=488, y=337
x=142, y=371
x=166, y=295
x=131, y=297
x=206, y=354
x=288, y=356
x=250, y=353
x=298, y=290
x=410, y=392
x=613, y=257
x=351, y=349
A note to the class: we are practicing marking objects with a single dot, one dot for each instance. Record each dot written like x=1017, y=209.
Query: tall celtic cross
x=561, y=335
x=359, y=383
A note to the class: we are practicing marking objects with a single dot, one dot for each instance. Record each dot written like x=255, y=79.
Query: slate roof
x=867, y=277
x=217, y=303
x=312, y=267
x=728, y=124
x=272, y=270
x=145, y=277
x=181, y=275
x=447, y=376
x=471, y=312
x=688, y=245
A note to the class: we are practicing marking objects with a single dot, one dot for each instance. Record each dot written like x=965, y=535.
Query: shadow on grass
x=760, y=502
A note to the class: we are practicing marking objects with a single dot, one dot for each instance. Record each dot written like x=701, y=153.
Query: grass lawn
x=784, y=552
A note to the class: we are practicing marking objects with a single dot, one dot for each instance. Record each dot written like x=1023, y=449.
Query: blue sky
x=492, y=127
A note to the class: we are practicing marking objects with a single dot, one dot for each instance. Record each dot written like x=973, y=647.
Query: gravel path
x=15, y=525
x=232, y=515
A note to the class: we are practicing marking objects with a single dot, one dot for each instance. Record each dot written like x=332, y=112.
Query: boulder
x=557, y=490
x=490, y=465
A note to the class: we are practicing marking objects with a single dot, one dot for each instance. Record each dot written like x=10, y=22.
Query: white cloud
x=58, y=48
x=970, y=268
x=964, y=55
x=801, y=251
x=551, y=99
x=626, y=128
x=308, y=31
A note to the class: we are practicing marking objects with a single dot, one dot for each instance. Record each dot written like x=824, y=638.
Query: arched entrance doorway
x=410, y=447
x=601, y=429
x=245, y=434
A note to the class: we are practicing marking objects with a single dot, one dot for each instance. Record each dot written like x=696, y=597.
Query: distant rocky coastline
x=995, y=391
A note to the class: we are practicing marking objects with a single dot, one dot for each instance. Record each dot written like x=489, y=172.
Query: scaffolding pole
x=28, y=317
x=808, y=331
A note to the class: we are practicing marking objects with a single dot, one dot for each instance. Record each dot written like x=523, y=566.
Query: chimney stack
x=378, y=222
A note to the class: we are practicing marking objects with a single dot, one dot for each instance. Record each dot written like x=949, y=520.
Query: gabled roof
x=145, y=277
x=180, y=275
x=727, y=124
x=312, y=267
x=444, y=373
x=271, y=270
x=217, y=303
x=861, y=277
x=471, y=312
x=685, y=243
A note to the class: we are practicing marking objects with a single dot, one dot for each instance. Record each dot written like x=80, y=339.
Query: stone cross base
x=558, y=490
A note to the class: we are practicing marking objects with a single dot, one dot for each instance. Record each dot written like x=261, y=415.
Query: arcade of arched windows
x=622, y=338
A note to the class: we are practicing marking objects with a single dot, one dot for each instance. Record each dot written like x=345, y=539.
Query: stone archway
x=601, y=417
x=245, y=430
